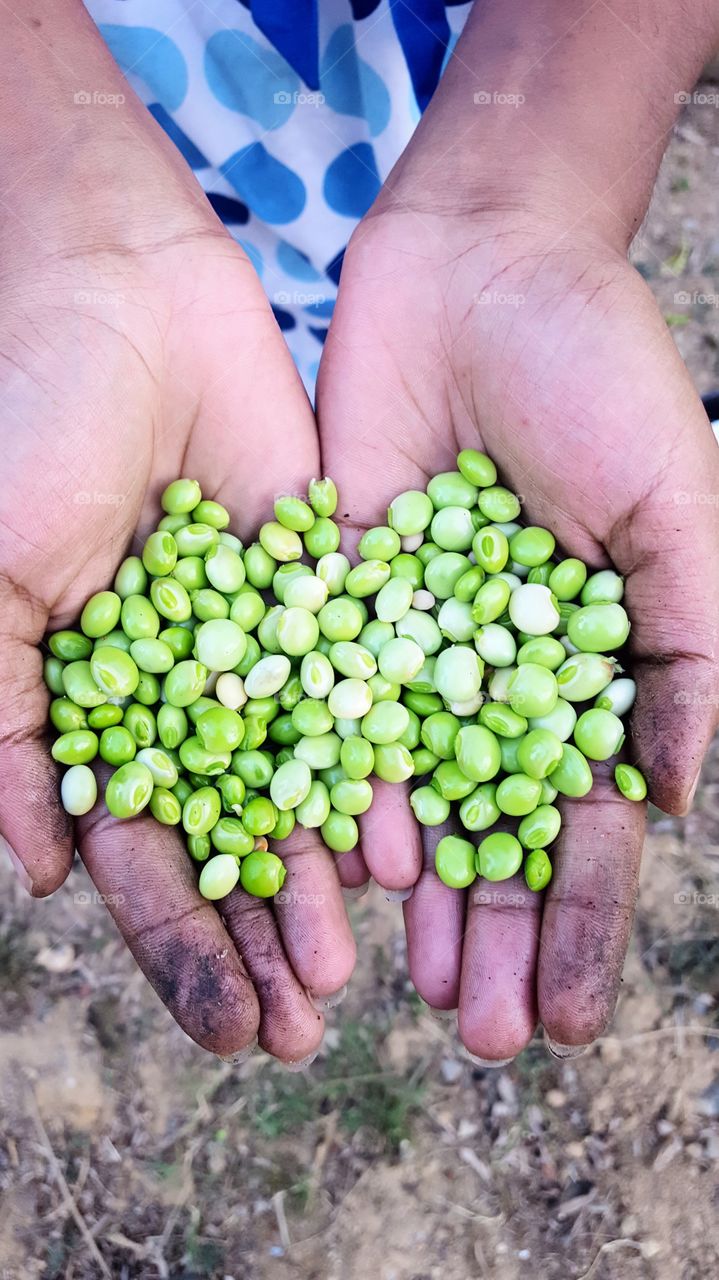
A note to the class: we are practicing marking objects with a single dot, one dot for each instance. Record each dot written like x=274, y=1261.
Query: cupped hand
x=128, y=357
x=543, y=347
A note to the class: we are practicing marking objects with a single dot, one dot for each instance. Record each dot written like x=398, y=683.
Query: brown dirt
x=178, y=1166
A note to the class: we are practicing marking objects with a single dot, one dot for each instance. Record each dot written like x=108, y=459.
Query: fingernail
x=398, y=895
x=564, y=1051
x=352, y=892
x=234, y=1059
x=489, y=1062
x=19, y=868
x=329, y=1002
x=303, y=1062
x=692, y=792
x=441, y=1015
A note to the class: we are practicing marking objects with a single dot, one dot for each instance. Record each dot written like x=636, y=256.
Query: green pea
x=314, y=809
x=444, y=571
x=212, y=514
x=532, y=546
x=232, y=836
x=78, y=746
x=454, y=860
x=410, y=513
x=567, y=578
x=545, y=651
x=165, y=807
x=117, y=745
x=508, y=749
x=340, y=619
x=498, y=504
x=541, y=574
x=599, y=734
x=290, y=785
x=339, y=832
x=179, y=640
x=171, y=600
x=351, y=795
x=380, y=543
x=151, y=656
x=477, y=751
x=605, y=587
x=199, y=847
x=115, y=672
x=259, y=816
x=70, y=646
x=630, y=781
x=517, y=795
x=410, y=737
x=429, y=807
x=452, y=528
x=385, y=722
x=139, y=618
x=131, y=578
x=479, y=810
x=560, y=720
x=66, y=716
x=408, y=568
x=254, y=767
x=113, y=640
x=499, y=856
x=52, y=670
x=477, y=468
x=262, y=874
x=220, y=729
x=428, y=552
x=423, y=704
x=320, y=752
x=491, y=549
x=141, y=723
x=219, y=876
x=490, y=601
x=101, y=614
x=584, y=675
x=232, y=791
x=170, y=524
x=284, y=826
x=128, y=790
x=159, y=554
x=357, y=757
x=367, y=578
x=172, y=727
x=297, y=631
x=161, y=766
x=539, y=752
x=103, y=717
x=219, y=644
x=80, y=686
x=540, y=828
x=255, y=733
x=323, y=538
x=599, y=628
x=400, y=660
x=190, y=573
x=451, y=489
x=501, y=719
x=323, y=497
x=450, y=782
x=185, y=683
x=180, y=497
x=572, y=776
x=532, y=690
x=312, y=717
x=467, y=586
x=201, y=811
x=148, y=689
x=198, y=759
x=393, y=762
x=332, y=569
x=293, y=513
x=439, y=733
x=283, y=732
x=424, y=761
x=537, y=870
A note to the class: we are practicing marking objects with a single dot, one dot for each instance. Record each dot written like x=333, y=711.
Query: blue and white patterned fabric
x=291, y=114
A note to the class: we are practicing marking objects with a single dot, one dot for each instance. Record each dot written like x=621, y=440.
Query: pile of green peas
x=239, y=690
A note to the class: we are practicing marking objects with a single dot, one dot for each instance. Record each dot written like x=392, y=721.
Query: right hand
x=137, y=345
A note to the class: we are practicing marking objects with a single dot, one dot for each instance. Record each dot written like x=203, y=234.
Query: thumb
x=35, y=827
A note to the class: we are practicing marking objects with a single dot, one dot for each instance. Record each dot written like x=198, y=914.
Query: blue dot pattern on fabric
x=250, y=78
x=253, y=254
x=350, y=85
x=274, y=193
x=184, y=145
x=296, y=264
x=334, y=268
x=423, y=32
x=319, y=334
x=352, y=181
x=232, y=212
x=322, y=309
x=146, y=52
x=285, y=319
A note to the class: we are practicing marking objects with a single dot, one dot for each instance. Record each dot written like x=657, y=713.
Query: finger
x=352, y=870
x=673, y=601
x=434, y=920
x=176, y=937
x=497, y=1000
x=391, y=843
x=588, y=912
x=33, y=822
x=311, y=916
x=291, y=1028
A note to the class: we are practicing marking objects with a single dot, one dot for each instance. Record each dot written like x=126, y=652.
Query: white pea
x=350, y=699
x=497, y=686
x=512, y=579
x=393, y=600
x=78, y=790
x=400, y=659
x=316, y=674
x=495, y=644
x=618, y=696
x=230, y=690
x=455, y=620
x=210, y=684
x=458, y=673
x=508, y=528
x=560, y=720
x=412, y=542
x=219, y=876
x=290, y=784
x=306, y=592
x=470, y=707
x=570, y=647
x=423, y=600
x=533, y=610
x=333, y=568
x=519, y=570
x=267, y=676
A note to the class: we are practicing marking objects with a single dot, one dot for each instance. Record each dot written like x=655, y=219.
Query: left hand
x=543, y=346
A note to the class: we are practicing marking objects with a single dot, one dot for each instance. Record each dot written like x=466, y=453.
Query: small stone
x=451, y=1070
x=575, y=1150
x=650, y=1248
x=555, y=1098
x=629, y=1225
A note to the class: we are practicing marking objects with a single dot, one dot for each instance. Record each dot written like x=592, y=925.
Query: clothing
x=291, y=114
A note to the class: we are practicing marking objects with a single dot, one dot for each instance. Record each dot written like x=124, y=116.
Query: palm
x=172, y=366
x=556, y=361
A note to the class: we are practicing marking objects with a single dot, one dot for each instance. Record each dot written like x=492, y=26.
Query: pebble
x=451, y=1070
x=555, y=1098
